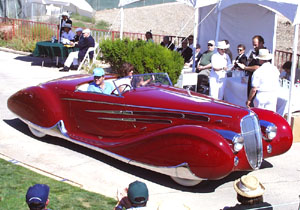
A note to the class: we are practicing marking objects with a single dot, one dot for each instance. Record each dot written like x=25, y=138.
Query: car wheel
x=35, y=132
x=186, y=182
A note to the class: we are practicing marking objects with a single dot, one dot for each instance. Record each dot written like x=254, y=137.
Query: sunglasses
x=98, y=77
x=210, y=45
x=223, y=49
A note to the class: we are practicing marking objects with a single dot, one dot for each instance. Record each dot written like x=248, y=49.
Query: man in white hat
x=249, y=194
x=219, y=62
x=65, y=18
x=84, y=44
x=67, y=34
x=265, y=83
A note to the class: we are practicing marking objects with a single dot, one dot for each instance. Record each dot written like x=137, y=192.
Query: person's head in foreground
x=37, y=196
x=249, y=190
x=138, y=194
x=98, y=75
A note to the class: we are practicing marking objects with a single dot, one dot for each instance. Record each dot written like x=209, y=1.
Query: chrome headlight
x=271, y=131
x=238, y=142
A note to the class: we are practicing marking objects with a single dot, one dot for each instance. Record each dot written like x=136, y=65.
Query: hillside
x=169, y=19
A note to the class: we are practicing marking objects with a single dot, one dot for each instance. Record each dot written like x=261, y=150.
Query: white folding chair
x=86, y=58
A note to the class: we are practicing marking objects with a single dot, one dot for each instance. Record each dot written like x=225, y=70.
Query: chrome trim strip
x=154, y=114
x=137, y=120
x=146, y=107
x=182, y=170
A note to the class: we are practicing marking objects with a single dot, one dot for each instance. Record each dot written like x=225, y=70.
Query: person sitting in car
x=99, y=85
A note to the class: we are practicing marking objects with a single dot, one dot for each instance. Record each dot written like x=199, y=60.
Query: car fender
x=205, y=151
x=37, y=105
x=284, y=138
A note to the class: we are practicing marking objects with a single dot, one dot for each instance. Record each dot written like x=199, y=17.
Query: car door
x=99, y=114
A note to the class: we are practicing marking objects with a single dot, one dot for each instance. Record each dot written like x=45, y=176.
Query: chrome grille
x=252, y=140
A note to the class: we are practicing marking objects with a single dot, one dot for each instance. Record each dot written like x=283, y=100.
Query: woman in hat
x=249, y=194
x=220, y=62
x=265, y=83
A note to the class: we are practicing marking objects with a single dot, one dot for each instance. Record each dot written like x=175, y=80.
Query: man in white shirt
x=220, y=62
x=265, y=83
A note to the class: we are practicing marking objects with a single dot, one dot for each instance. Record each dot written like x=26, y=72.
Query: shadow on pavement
x=37, y=61
x=203, y=187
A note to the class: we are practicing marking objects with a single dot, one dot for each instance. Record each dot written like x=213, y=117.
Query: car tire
x=35, y=132
x=185, y=182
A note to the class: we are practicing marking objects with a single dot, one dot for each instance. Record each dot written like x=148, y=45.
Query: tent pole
x=293, y=71
x=196, y=14
x=218, y=26
x=122, y=23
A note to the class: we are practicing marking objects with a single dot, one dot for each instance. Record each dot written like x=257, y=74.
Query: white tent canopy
x=239, y=20
x=79, y=6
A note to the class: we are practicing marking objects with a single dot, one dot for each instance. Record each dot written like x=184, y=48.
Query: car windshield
x=141, y=80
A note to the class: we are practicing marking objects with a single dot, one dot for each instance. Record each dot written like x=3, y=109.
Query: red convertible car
x=149, y=123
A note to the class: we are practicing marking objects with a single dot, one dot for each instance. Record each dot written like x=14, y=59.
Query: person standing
x=185, y=51
x=148, y=36
x=65, y=18
x=265, y=83
x=253, y=64
x=219, y=61
x=204, y=66
x=167, y=43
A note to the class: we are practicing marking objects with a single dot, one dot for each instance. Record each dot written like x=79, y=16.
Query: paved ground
x=96, y=172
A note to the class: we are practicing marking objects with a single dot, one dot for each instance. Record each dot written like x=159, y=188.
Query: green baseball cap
x=137, y=192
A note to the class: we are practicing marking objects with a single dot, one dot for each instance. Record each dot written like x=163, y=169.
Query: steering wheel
x=122, y=88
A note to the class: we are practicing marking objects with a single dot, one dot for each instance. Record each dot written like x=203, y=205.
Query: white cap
x=78, y=29
x=85, y=31
x=65, y=14
x=211, y=42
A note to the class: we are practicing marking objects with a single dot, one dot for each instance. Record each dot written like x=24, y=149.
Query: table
x=187, y=78
x=51, y=50
x=236, y=93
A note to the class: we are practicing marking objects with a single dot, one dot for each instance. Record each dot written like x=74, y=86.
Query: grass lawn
x=15, y=181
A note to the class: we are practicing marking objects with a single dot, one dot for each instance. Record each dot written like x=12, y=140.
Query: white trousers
x=217, y=83
x=72, y=58
x=266, y=100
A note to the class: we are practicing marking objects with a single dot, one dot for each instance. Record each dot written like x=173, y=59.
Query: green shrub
x=21, y=44
x=146, y=57
x=102, y=25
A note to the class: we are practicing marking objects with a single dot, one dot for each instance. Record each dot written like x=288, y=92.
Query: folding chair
x=86, y=58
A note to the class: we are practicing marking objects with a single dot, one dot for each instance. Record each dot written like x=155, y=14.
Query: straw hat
x=222, y=45
x=264, y=54
x=248, y=186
